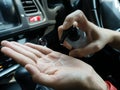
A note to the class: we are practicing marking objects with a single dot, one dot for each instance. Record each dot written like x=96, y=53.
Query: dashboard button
x=33, y=19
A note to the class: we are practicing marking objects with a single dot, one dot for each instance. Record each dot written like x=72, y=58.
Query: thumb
x=38, y=76
x=87, y=50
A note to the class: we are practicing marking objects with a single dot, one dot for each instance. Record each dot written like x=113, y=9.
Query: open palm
x=50, y=68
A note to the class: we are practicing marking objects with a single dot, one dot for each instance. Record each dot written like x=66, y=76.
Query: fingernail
x=4, y=42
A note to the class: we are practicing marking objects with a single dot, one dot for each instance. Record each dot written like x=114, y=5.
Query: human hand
x=54, y=69
x=97, y=37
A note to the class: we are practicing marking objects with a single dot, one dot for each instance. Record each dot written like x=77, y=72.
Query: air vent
x=29, y=6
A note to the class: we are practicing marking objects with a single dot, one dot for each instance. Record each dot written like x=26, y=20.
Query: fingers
x=19, y=48
x=67, y=45
x=60, y=31
x=87, y=50
x=34, y=51
x=24, y=53
x=42, y=49
x=76, y=18
x=18, y=57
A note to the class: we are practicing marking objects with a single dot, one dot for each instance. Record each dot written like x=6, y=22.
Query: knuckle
x=97, y=47
x=79, y=11
x=69, y=18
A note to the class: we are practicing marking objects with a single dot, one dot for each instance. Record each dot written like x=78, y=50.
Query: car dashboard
x=21, y=15
x=17, y=19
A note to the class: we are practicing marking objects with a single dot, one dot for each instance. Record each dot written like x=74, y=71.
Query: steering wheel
x=104, y=13
x=110, y=14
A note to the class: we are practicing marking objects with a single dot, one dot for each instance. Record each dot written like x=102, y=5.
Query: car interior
x=37, y=21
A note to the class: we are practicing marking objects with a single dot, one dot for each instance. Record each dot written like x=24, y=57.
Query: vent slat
x=29, y=6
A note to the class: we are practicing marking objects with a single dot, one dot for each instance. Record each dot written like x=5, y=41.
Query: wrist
x=97, y=83
x=100, y=85
x=115, y=39
x=112, y=35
